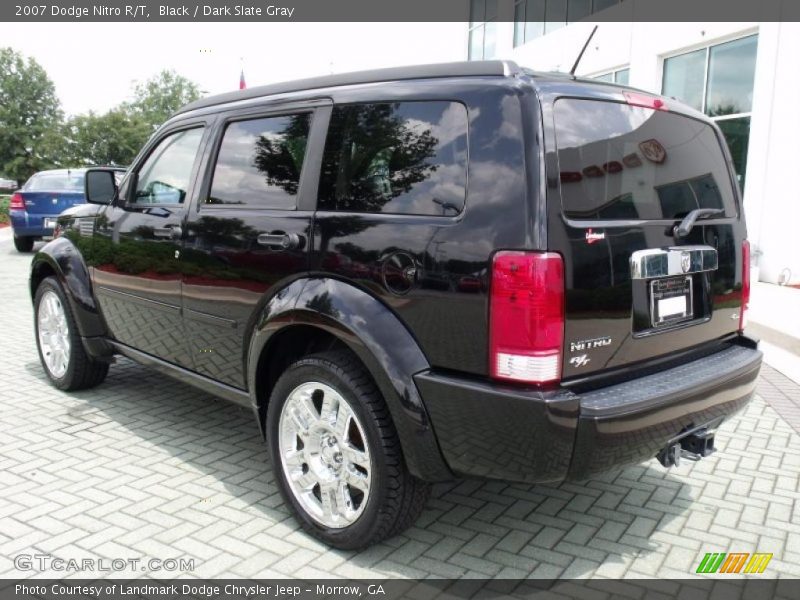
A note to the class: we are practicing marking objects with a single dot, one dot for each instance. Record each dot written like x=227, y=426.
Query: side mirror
x=100, y=186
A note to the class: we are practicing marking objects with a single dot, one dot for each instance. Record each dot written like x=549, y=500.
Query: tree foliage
x=30, y=114
x=35, y=136
x=157, y=98
x=113, y=138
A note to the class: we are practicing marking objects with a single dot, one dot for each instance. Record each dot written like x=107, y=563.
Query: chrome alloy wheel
x=324, y=455
x=53, y=334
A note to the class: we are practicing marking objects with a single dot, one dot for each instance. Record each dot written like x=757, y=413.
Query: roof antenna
x=580, y=56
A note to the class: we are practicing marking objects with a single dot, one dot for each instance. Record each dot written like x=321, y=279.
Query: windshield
x=55, y=182
x=625, y=162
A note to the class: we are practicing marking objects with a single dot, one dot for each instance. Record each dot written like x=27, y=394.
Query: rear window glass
x=625, y=162
x=56, y=183
x=399, y=157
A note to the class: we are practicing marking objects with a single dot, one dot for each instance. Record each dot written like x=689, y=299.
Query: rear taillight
x=745, y=284
x=526, y=316
x=17, y=203
x=645, y=100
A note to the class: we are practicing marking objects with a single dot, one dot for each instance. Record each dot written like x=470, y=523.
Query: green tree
x=113, y=138
x=157, y=98
x=30, y=117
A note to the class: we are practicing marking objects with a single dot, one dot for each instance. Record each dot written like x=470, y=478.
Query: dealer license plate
x=671, y=301
x=50, y=223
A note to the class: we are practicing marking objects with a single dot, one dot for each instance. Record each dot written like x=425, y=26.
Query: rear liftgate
x=671, y=289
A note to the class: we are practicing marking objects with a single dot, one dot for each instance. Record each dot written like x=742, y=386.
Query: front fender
x=380, y=340
x=62, y=259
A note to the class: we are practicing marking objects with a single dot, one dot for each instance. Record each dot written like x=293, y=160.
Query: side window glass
x=260, y=161
x=400, y=157
x=165, y=176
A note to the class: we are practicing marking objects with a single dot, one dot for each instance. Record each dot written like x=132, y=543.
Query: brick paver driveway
x=145, y=467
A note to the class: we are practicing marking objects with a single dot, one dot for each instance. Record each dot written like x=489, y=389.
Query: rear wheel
x=23, y=243
x=61, y=352
x=336, y=453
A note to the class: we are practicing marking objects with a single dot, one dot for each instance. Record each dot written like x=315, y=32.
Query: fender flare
x=61, y=258
x=380, y=340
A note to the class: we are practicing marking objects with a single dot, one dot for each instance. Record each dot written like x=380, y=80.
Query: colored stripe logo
x=734, y=562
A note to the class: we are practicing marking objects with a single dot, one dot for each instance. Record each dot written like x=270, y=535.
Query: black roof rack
x=455, y=69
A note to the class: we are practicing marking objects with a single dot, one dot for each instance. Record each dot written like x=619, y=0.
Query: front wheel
x=336, y=453
x=61, y=352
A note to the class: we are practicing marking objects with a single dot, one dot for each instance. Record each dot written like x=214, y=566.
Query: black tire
x=23, y=243
x=396, y=497
x=83, y=372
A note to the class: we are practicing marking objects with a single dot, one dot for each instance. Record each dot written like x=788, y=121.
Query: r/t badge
x=579, y=361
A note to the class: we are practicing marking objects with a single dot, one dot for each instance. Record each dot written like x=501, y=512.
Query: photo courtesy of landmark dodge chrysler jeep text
x=418, y=274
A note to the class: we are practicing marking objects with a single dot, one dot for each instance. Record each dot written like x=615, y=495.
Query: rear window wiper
x=685, y=226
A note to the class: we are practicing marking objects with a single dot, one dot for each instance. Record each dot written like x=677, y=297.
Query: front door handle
x=173, y=233
x=280, y=241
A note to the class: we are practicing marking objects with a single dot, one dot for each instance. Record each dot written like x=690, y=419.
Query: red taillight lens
x=526, y=316
x=17, y=203
x=644, y=100
x=745, y=284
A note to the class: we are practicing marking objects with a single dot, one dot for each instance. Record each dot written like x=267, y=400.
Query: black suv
x=418, y=274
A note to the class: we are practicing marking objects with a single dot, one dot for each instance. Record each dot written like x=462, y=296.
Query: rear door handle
x=173, y=233
x=280, y=241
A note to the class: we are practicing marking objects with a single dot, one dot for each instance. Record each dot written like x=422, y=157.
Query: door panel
x=228, y=274
x=249, y=234
x=137, y=243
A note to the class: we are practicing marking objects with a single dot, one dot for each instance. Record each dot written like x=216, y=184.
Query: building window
x=534, y=18
x=620, y=76
x=482, y=29
x=718, y=80
x=528, y=20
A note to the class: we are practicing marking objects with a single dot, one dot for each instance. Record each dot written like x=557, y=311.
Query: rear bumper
x=26, y=224
x=502, y=432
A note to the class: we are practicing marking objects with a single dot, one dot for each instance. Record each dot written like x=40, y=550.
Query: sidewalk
x=774, y=316
x=776, y=307
x=144, y=467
